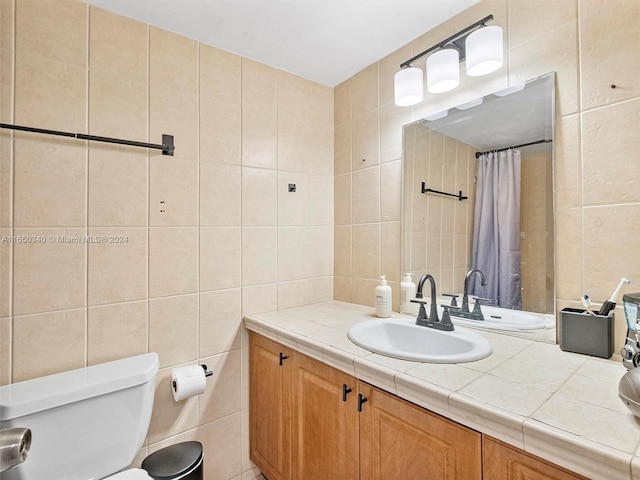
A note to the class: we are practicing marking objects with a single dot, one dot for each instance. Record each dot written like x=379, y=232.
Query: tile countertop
x=561, y=406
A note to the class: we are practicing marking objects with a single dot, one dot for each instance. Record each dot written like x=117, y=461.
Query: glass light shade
x=408, y=86
x=437, y=116
x=509, y=91
x=471, y=104
x=443, y=71
x=484, y=51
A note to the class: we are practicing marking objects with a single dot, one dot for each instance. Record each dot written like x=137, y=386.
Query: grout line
x=86, y=199
x=12, y=150
x=241, y=165
x=198, y=195
x=148, y=184
x=579, y=72
x=277, y=115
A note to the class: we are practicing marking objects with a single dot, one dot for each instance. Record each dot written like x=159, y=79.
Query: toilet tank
x=86, y=423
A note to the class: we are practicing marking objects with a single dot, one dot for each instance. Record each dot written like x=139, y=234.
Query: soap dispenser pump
x=383, y=299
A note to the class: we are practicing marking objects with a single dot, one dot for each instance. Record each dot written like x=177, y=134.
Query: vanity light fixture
x=479, y=45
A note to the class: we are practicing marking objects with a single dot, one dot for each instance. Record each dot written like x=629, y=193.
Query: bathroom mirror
x=441, y=155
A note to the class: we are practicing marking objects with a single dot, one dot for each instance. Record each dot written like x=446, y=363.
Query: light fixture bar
x=451, y=42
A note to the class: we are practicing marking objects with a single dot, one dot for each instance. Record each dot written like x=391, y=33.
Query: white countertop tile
x=595, y=461
x=506, y=394
x=393, y=363
x=536, y=376
x=599, y=424
x=336, y=338
x=449, y=376
x=600, y=378
x=507, y=346
x=546, y=355
x=500, y=424
x=339, y=359
x=486, y=364
x=432, y=397
x=376, y=373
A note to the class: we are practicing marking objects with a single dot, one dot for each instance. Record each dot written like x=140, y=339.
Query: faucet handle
x=446, y=322
x=454, y=297
x=449, y=308
x=421, y=302
x=476, y=306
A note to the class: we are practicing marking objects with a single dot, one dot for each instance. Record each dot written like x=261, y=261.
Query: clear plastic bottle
x=383, y=299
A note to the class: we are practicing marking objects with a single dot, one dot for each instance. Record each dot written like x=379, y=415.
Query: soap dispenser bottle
x=408, y=293
x=383, y=299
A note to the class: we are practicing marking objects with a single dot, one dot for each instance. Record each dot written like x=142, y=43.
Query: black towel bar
x=167, y=145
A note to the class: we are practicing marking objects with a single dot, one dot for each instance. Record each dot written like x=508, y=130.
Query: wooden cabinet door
x=325, y=422
x=504, y=462
x=270, y=367
x=401, y=441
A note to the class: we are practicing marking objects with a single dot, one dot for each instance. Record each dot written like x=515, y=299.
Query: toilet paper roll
x=14, y=447
x=187, y=382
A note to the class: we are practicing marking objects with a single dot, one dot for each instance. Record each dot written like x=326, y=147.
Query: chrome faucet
x=463, y=311
x=431, y=321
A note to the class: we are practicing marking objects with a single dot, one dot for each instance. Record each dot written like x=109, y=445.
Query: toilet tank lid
x=30, y=396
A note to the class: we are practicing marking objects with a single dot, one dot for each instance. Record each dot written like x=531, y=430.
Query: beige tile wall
x=590, y=45
x=201, y=238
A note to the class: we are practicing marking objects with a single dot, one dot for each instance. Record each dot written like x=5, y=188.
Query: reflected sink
x=402, y=338
x=496, y=318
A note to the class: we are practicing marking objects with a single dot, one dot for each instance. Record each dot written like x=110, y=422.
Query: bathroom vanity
x=321, y=407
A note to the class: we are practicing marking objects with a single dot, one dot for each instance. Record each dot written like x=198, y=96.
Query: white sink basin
x=402, y=338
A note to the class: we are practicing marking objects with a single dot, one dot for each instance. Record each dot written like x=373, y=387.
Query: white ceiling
x=326, y=41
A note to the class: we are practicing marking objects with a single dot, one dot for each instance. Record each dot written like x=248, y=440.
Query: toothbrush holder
x=580, y=332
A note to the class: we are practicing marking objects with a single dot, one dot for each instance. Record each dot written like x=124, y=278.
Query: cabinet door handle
x=345, y=392
x=283, y=358
x=361, y=400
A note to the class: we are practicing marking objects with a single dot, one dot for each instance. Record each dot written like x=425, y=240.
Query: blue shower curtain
x=496, y=229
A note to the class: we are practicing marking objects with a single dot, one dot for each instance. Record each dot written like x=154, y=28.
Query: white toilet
x=87, y=424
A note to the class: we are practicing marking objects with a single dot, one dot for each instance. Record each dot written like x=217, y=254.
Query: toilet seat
x=130, y=474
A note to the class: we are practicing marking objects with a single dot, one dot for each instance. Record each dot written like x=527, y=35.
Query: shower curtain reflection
x=496, y=232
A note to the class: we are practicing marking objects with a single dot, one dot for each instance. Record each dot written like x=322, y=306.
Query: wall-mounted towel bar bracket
x=459, y=196
x=167, y=145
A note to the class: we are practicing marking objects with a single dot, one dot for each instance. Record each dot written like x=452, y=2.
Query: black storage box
x=580, y=332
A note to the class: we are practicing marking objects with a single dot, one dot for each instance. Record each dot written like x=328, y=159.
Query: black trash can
x=182, y=461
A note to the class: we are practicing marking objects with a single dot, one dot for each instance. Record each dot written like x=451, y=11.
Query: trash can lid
x=174, y=461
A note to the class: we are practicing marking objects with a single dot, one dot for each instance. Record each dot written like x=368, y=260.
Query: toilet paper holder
x=207, y=373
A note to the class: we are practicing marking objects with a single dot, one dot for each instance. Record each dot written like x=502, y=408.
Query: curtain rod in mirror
x=478, y=154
